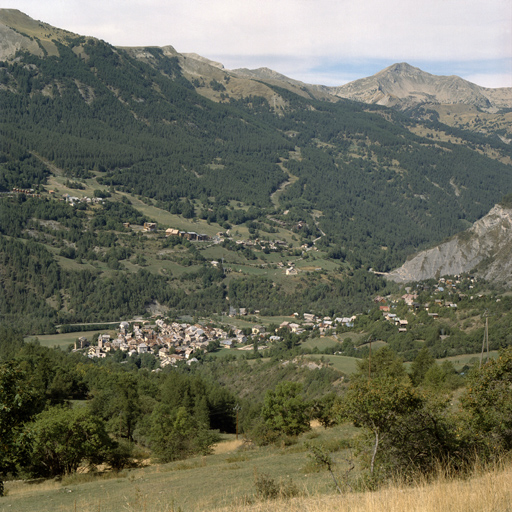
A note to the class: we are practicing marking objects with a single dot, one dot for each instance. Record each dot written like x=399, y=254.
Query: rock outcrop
x=485, y=248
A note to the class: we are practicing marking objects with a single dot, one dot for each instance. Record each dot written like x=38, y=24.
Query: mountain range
x=247, y=150
x=399, y=85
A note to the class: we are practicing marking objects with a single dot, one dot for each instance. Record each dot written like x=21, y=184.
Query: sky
x=329, y=42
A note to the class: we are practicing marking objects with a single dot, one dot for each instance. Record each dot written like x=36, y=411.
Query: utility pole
x=370, y=360
x=486, y=339
x=236, y=409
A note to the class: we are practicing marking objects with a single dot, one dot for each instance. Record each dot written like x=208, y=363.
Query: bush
x=268, y=489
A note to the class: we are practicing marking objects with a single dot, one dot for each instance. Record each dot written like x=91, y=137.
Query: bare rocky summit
x=484, y=248
x=402, y=85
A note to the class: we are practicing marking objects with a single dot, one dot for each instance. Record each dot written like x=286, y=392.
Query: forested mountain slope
x=367, y=184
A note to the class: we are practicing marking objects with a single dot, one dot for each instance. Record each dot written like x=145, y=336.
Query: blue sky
x=328, y=42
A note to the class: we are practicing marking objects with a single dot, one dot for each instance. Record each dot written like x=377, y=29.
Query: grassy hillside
x=225, y=481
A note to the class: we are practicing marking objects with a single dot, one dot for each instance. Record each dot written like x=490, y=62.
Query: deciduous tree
x=15, y=409
x=63, y=438
x=488, y=402
x=285, y=411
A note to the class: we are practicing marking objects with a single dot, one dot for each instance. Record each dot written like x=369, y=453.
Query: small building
x=81, y=342
x=172, y=232
x=149, y=226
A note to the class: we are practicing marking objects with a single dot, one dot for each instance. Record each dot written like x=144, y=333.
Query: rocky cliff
x=485, y=248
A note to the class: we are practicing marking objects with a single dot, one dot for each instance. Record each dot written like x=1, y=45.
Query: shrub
x=268, y=489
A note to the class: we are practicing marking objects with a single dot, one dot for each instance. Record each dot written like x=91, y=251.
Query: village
x=175, y=342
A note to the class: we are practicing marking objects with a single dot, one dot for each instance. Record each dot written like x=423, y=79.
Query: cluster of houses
x=151, y=227
x=188, y=235
x=170, y=343
x=29, y=192
x=72, y=200
x=271, y=245
x=411, y=300
x=176, y=342
x=326, y=323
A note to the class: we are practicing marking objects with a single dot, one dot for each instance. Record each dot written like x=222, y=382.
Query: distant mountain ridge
x=485, y=247
x=399, y=85
x=404, y=85
x=20, y=32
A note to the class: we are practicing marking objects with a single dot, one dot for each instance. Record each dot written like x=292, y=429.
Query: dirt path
x=227, y=446
x=274, y=197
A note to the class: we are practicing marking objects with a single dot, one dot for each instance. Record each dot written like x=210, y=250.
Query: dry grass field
x=489, y=492
x=225, y=482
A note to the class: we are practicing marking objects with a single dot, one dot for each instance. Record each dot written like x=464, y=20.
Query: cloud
x=300, y=31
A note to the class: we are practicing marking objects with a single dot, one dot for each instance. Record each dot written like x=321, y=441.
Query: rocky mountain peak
x=401, y=68
x=402, y=85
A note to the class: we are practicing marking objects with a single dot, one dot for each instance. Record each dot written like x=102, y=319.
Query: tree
x=285, y=411
x=377, y=404
x=420, y=366
x=11, y=341
x=118, y=404
x=442, y=377
x=63, y=437
x=409, y=429
x=383, y=363
x=16, y=401
x=488, y=404
x=322, y=410
x=176, y=434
